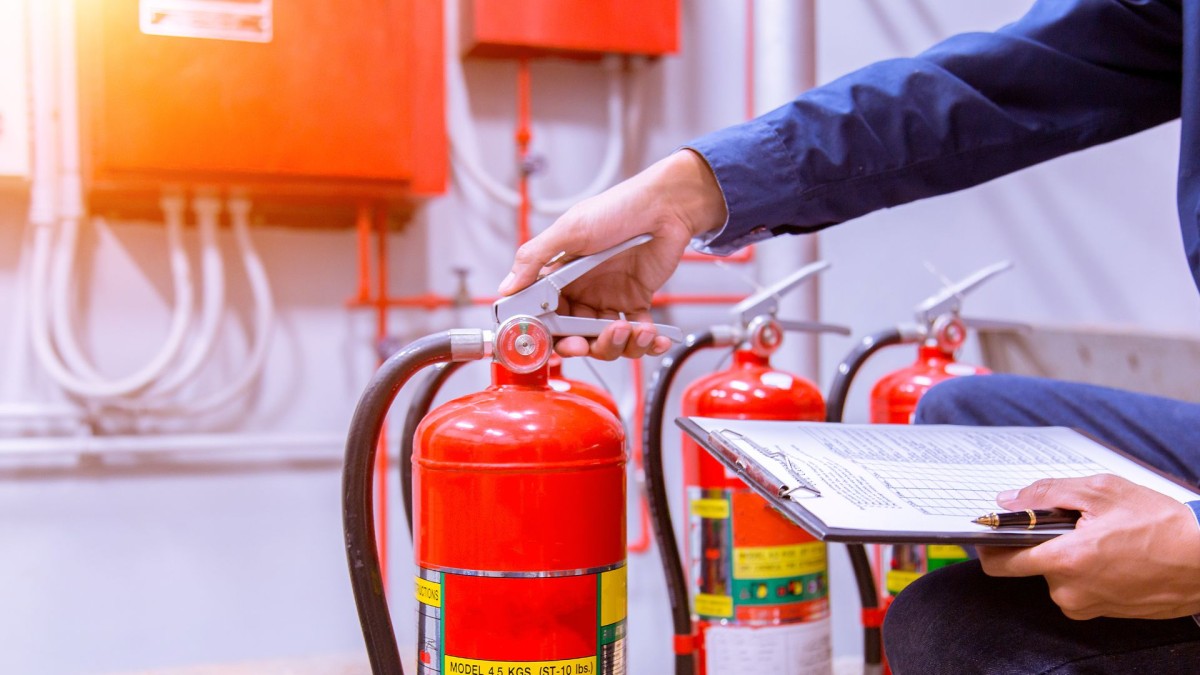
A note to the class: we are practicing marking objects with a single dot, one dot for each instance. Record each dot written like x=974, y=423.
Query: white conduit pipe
x=43, y=205
x=264, y=314
x=464, y=142
x=42, y=194
x=70, y=189
x=42, y=191
x=614, y=150
x=141, y=380
x=48, y=320
x=62, y=308
x=212, y=310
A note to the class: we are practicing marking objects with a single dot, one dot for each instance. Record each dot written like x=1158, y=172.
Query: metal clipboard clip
x=725, y=441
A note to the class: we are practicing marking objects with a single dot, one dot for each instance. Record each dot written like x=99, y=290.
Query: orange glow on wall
x=309, y=96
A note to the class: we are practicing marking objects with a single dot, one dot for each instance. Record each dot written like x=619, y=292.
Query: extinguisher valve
x=948, y=333
x=764, y=335
x=540, y=300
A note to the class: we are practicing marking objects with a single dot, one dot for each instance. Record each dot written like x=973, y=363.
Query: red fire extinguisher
x=518, y=505
x=758, y=583
x=895, y=396
x=564, y=384
x=940, y=331
x=425, y=392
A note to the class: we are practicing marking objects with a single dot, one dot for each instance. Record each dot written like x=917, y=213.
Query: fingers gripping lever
x=541, y=299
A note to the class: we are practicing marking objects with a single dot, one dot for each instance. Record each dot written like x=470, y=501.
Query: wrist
x=694, y=195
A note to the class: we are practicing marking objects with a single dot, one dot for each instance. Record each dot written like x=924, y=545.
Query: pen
x=1030, y=519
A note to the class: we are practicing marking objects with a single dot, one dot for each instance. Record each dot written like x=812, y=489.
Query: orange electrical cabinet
x=579, y=28
x=287, y=98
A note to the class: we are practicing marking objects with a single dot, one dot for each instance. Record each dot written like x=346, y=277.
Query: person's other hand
x=1135, y=553
x=672, y=200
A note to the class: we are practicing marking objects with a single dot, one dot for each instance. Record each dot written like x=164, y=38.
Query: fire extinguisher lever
x=541, y=299
x=755, y=322
x=949, y=300
x=812, y=327
x=767, y=300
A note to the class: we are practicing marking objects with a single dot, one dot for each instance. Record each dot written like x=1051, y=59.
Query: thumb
x=1088, y=494
x=534, y=254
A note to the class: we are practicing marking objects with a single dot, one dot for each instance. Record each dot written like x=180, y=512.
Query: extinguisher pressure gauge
x=523, y=344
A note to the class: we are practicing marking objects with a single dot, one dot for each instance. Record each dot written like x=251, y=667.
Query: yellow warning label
x=898, y=580
x=776, y=562
x=460, y=666
x=710, y=508
x=946, y=551
x=429, y=593
x=612, y=596
x=714, y=605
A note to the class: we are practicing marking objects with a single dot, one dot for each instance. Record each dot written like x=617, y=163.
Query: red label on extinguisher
x=521, y=623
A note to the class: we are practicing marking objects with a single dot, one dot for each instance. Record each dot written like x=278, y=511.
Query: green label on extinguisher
x=455, y=608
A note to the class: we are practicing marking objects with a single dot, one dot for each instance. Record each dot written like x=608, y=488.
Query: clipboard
x=790, y=499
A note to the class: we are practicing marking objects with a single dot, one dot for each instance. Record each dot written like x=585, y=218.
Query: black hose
x=657, y=497
x=835, y=404
x=417, y=410
x=358, y=507
x=835, y=407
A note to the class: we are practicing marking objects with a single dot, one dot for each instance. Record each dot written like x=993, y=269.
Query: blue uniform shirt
x=1070, y=74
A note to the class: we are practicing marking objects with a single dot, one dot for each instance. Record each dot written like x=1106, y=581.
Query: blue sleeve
x=1068, y=75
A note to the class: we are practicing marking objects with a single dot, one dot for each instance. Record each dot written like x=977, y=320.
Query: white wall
x=132, y=564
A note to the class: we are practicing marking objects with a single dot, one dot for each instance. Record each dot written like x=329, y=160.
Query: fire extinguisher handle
x=766, y=301
x=541, y=298
x=996, y=324
x=949, y=300
x=575, y=325
x=812, y=327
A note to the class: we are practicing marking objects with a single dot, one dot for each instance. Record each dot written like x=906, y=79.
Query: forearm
x=1067, y=76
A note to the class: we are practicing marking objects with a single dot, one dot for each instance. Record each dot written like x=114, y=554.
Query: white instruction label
x=790, y=649
x=240, y=20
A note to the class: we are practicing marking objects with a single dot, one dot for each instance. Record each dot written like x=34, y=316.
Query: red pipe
x=664, y=299
x=363, y=226
x=426, y=301
x=524, y=134
x=637, y=380
x=381, y=454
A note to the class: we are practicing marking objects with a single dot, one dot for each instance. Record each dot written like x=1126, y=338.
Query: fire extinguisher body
x=894, y=401
x=894, y=398
x=754, y=576
x=563, y=384
x=520, y=533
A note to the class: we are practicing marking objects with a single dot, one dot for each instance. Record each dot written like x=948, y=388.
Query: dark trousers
x=959, y=620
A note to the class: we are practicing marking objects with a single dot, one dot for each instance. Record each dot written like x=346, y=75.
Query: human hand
x=672, y=200
x=1135, y=553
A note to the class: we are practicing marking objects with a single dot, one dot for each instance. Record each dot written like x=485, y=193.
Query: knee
x=925, y=625
x=956, y=401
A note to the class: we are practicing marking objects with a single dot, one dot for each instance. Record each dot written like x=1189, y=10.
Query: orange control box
x=294, y=98
x=573, y=28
